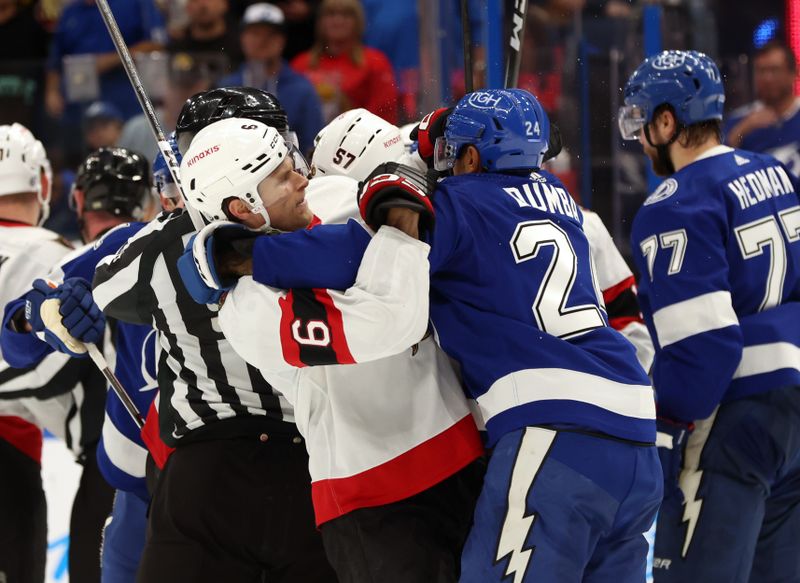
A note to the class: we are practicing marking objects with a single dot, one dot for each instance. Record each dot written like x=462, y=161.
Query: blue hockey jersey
x=121, y=453
x=781, y=140
x=717, y=249
x=513, y=300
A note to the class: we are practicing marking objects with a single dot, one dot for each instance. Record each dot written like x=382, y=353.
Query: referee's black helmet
x=207, y=107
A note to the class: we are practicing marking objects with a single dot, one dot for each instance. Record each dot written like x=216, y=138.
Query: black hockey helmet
x=115, y=180
x=213, y=105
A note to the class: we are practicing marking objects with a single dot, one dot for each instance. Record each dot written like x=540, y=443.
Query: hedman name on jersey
x=758, y=186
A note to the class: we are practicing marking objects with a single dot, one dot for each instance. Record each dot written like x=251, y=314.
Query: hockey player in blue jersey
x=573, y=480
x=717, y=249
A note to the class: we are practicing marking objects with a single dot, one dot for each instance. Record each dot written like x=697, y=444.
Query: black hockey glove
x=393, y=185
x=554, y=143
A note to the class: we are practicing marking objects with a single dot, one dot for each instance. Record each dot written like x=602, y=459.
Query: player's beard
x=661, y=167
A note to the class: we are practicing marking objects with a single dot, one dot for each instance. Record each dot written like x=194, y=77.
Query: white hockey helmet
x=354, y=143
x=230, y=158
x=24, y=166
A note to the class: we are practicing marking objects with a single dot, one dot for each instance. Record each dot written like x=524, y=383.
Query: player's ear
x=237, y=209
x=666, y=122
x=472, y=159
x=76, y=201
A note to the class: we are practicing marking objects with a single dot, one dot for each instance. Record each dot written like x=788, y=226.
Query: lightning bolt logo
x=690, y=478
x=533, y=449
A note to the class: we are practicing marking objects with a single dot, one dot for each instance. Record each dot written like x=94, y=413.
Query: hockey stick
x=52, y=318
x=517, y=34
x=100, y=361
x=466, y=34
x=147, y=105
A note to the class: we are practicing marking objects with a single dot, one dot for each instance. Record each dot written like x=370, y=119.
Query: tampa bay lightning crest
x=664, y=191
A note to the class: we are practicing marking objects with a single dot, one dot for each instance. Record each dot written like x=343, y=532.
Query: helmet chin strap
x=662, y=150
x=259, y=209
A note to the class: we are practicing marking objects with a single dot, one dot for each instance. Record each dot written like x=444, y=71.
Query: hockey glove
x=671, y=437
x=65, y=316
x=393, y=185
x=554, y=143
x=205, y=264
x=431, y=127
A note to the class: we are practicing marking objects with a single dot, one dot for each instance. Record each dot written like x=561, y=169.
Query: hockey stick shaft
x=519, y=12
x=147, y=105
x=466, y=34
x=100, y=361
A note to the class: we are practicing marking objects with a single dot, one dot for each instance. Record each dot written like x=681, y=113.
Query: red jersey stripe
x=410, y=473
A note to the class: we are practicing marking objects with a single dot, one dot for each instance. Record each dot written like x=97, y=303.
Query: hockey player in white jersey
x=391, y=442
x=26, y=251
x=718, y=249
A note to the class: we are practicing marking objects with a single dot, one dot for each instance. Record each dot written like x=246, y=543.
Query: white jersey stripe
x=545, y=384
x=703, y=313
x=125, y=454
x=764, y=358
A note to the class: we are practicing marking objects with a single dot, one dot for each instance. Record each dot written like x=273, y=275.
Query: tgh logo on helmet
x=669, y=60
x=485, y=100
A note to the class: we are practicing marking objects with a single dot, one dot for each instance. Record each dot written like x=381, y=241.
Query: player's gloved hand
x=393, y=185
x=214, y=259
x=671, y=437
x=65, y=316
x=425, y=134
x=554, y=143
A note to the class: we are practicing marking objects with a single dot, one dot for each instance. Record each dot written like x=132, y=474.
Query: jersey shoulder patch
x=663, y=192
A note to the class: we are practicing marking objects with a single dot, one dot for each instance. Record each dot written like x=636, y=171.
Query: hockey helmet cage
x=115, y=180
x=354, y=143
x=689, y=81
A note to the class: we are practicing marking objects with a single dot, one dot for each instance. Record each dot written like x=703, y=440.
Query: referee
x=233, y=502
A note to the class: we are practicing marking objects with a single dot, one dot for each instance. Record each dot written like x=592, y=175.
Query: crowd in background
x=60, y=76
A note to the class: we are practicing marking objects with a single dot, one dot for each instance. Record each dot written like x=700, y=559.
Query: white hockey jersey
x=41, y=395
x=379, y=431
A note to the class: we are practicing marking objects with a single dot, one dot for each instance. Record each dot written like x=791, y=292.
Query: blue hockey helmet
x=508, y=127
x=689, y=81
x=162, y=179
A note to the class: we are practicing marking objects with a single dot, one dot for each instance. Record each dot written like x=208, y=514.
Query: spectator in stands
x=347, y=74
x=301, y=17
x=772, y=123
x=81, y=31
x=263, y=38
x=102, y=125
x=23, y=45
x=208, y=32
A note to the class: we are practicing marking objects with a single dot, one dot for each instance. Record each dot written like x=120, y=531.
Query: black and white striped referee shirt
x=206, y=387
